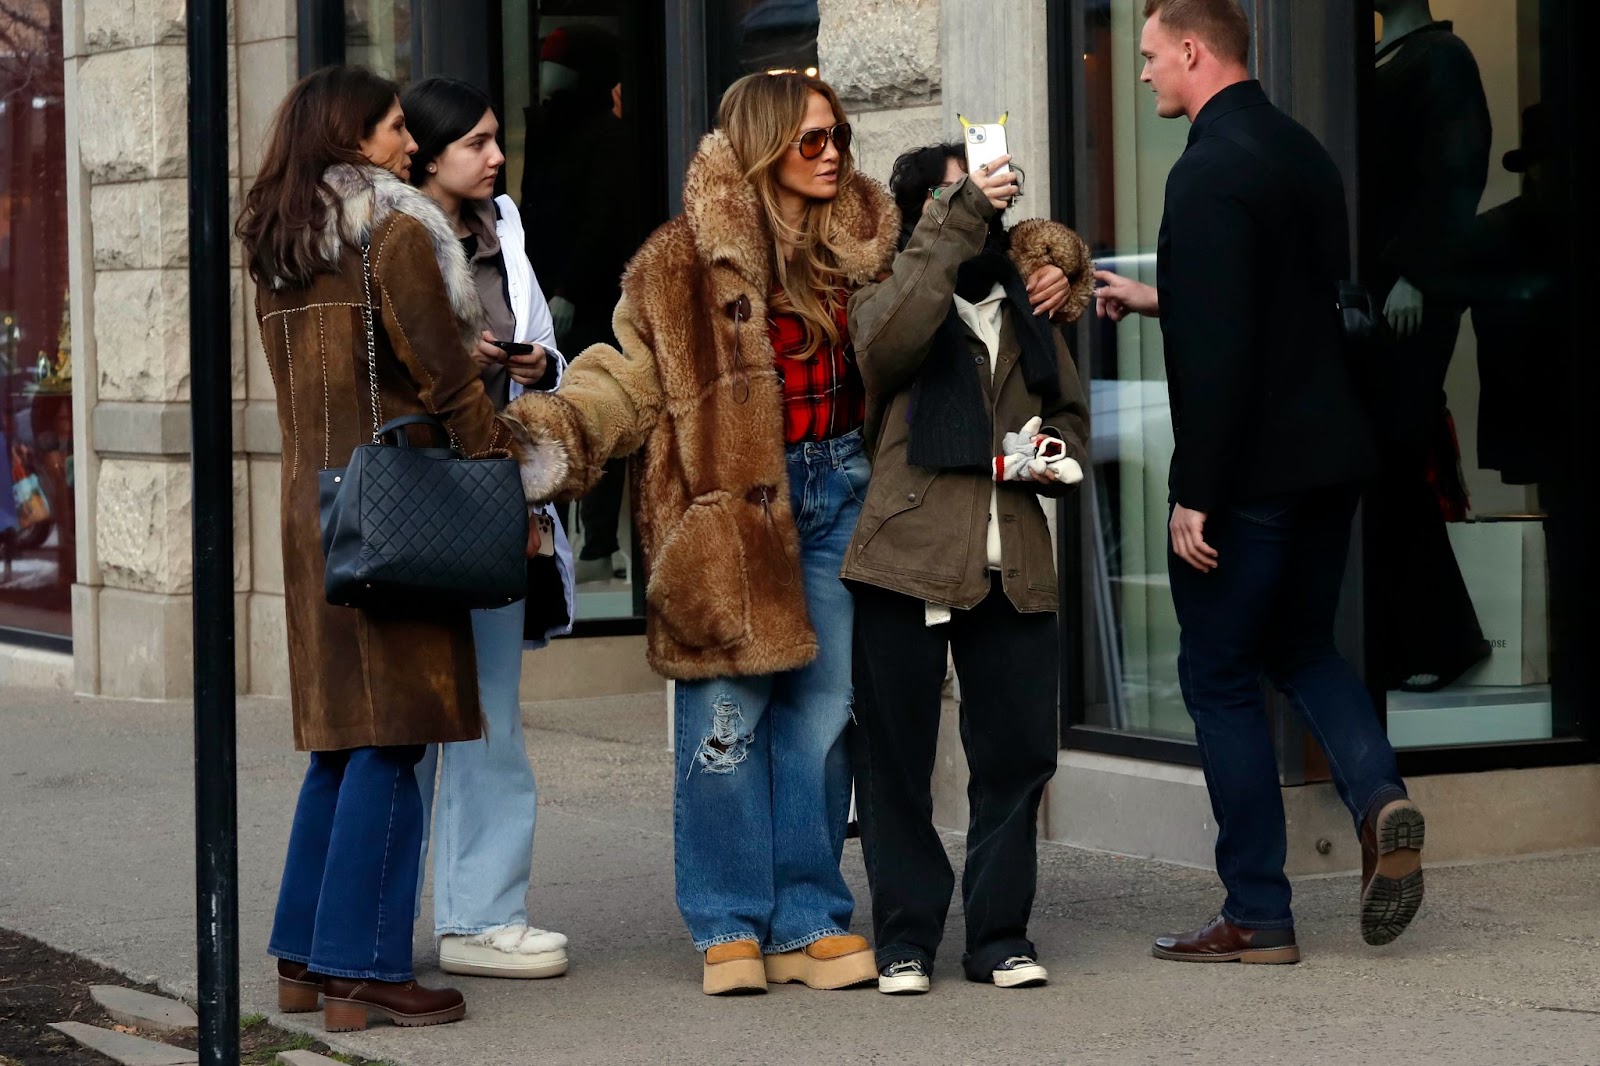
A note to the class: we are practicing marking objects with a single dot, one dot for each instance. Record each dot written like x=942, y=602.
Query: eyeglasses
x=812, y=142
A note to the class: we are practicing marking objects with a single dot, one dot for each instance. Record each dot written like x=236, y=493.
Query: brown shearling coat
x=359, y=678
x=696, y=391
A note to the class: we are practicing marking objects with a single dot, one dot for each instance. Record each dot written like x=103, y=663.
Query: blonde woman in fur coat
x=331, y=229
x=737, y=387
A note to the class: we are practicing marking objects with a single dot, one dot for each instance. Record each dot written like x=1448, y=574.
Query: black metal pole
x=211, y=419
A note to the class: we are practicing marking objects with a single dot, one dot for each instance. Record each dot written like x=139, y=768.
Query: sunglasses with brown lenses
x=813, y=142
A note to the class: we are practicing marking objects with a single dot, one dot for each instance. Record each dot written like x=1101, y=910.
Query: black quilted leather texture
x=415, y=529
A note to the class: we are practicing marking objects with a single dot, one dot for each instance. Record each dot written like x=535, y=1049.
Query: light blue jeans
x=763, y=772
x=482, y=829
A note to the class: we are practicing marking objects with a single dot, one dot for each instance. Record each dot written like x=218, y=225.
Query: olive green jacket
x=924, y=532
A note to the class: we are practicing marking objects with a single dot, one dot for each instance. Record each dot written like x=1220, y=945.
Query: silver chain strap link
x=372, y=342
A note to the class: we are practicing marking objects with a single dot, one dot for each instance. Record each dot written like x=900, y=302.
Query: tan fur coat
x=695, y=391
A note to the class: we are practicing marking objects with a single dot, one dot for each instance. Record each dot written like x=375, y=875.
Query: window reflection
x=588, y=175
x=37, y=547
x=1465, y=253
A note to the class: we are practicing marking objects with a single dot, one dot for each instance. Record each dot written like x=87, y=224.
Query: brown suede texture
x=698, y=399
x=362, y=678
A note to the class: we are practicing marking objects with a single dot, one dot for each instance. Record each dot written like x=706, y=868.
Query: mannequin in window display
x=577, y=188
x=1515, y=272
x=1428, y=165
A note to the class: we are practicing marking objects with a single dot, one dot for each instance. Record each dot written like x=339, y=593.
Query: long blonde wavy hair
x=761, y=115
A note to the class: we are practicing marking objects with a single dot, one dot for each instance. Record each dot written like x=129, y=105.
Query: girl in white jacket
x=483, y=831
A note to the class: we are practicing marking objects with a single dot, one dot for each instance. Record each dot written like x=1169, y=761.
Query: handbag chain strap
x=372, y=342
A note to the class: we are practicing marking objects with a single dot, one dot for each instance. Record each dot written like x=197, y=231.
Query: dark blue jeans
x=345, y=907
x=1268, y=610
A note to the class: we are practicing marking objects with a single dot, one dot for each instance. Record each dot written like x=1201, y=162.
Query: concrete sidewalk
x=96, y=857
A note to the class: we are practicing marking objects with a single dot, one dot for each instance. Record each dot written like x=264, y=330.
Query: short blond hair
x=1221, y=24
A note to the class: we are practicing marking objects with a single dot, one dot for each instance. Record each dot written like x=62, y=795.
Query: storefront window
x=37, y=546
x=585, y=161
x=1465, y=185
x=377, y=34
x=1123, y=152
x=746, y=36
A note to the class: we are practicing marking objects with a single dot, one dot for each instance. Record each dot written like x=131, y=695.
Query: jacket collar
x=725, y=216
x=364, y=198
x=1235, y=97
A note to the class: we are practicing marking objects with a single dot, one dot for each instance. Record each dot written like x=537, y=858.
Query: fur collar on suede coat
x=694, y=390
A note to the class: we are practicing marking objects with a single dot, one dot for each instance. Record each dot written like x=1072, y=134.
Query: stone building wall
x=127, y=116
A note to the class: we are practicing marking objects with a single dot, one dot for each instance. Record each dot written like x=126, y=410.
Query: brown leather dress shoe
x=298, y=987
x=1222, y=941
x=1391, y=870
x=348, y=1002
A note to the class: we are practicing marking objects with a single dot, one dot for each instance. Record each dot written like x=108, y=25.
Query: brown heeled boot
x=347, y=1003
x=298, y=987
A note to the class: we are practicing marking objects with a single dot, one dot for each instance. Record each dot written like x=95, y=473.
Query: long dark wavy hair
x=320, y=123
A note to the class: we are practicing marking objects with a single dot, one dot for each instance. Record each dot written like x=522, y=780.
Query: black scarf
x=951, y=426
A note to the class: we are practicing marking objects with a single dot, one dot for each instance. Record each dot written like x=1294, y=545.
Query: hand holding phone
x=514, y=347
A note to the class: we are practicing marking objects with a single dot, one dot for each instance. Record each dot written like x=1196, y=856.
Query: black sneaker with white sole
x=1020, y=971
x=906, y=978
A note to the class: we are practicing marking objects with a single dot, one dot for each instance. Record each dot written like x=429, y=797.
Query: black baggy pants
x=1008, y=667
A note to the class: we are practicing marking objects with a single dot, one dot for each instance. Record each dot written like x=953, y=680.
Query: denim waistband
x=833, y=452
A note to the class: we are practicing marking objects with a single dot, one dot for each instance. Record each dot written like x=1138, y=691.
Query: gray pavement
x=1502, y=968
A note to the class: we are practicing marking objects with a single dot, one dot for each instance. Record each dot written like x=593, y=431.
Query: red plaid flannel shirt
x=823, y=396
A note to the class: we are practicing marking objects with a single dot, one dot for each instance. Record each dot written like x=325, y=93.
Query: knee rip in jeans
x=727, y=746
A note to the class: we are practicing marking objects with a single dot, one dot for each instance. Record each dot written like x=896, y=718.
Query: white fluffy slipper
x=508, y=951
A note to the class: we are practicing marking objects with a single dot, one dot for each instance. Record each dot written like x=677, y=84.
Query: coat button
x=911, y=497
x=978, y=360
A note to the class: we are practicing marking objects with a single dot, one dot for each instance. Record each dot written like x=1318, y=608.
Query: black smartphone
x=513, y=347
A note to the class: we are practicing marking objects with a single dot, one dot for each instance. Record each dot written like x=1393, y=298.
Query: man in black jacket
x=1271, y=445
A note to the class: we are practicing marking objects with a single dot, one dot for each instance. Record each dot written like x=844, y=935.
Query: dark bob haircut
x=919, y=170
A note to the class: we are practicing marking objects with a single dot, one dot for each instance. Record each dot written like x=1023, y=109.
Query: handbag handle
x=393, y=429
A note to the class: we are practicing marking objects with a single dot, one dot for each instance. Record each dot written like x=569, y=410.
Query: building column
x=128, y=232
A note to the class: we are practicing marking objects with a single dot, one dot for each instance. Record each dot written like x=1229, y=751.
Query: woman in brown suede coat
x=339, y=245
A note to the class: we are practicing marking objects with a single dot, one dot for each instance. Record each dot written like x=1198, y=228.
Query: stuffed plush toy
x=1031, y=454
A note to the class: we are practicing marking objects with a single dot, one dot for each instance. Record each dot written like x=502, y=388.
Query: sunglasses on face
x=813, y=142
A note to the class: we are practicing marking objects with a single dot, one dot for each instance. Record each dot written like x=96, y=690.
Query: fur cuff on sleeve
x=541, y=459
x=1039, y=242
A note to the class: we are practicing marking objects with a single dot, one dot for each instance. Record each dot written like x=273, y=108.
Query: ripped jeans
x=763, y=771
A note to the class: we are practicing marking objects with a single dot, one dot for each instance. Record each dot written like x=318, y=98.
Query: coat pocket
x=699, y=585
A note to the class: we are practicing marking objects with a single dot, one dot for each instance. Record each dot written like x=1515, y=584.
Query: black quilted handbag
x=420, y=529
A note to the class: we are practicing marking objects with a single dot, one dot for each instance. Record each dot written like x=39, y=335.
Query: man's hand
x=1188, y=539
x=1000, y=189
x=1048, y=289
x=1118, y=297
x=528, y=370
x=1403, y=309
